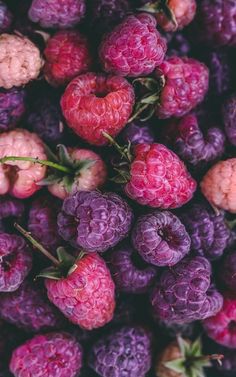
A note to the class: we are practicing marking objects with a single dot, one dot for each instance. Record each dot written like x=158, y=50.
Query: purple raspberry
x=129, y=273
x=29, y=309
x=137, y=132
x=208, y=231
x=217, y=22
x=45, y=119
x=184, y=293
x=123, y=352
x=191, y=144
x=15, y=261
x=160, y=238
x=5, y=17
x=12, y=107
x=94, y=221
x=220, y=72
x=177, y=44
x=42, y=221
x=57, y=14
x=229, y=118
x=10, y=208
x=228, y=274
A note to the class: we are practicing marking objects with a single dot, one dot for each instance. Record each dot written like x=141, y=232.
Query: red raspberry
x=186, y=83
x=158, y=178
x=67, y=55
x=93, y=103
x=183, y=13
x=221, y=327
x=86, y=295
x=134, y=47
x=53, y=354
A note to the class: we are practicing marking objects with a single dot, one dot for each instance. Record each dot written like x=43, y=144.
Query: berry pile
x=117, y=188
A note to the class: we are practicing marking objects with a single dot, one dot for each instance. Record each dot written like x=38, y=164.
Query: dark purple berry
x=10, y=208
x=228, y=272
x=5, y=17
x=177, y=44
x=229, y=118
x=220, y=73
x=12, y=107
x=137, y=133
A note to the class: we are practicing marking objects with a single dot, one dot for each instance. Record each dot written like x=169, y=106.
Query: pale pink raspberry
x=219, y=185
x=90, y=178
x=19, y=178
x=20, y=61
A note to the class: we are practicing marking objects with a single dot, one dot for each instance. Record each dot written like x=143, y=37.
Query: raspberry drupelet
x=12, y=107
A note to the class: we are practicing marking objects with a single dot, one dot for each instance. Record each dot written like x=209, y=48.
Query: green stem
x=231, y=223
x=51, y=164
x=123, y=151
x=37, y=245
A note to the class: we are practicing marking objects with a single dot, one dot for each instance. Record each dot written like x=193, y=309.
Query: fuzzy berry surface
x=95, y=103
x=123, y=352
x=229, y=118
x=160, y=238
x=15, y=262
x=67, y=55
x=228, y=277
x=129, y=273
x=89, y=178
x=218, y=185
x=138, y=132
x=218, y=22
x=46, y=120
x=221, y=327
x=19, y=178
x=42, y=221
x=59, y=14
x=193, y=145
x=6, y=17
x=184, y=293
x=134, y=47
x=158, y=178
x=186, y=82
x=10, y=208
x=94, y=221
x=87, y=295
x=52, y=354
x=12, y=107
x=29, y=309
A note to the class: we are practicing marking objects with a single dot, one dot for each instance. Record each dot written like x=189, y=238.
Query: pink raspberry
x=185, y=85
x=94, y=103
x=20, y=61
x=90, y=178
x=221, y=327
x=218, y=185
x=19, y=178
x=158, y=178
x=134, y=47
x=67, y=55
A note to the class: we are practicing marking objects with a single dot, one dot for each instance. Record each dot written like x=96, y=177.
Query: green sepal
x=49, y=180
x=64, y=156
x=196, y=347
x=50, y=155
x=160, y=6
x=67, y=182
x=176, y=365
x=50, y=273
x=83, y=164
x=66, y=259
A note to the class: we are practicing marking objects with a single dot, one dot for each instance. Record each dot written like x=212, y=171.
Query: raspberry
x=208, y=231
x=193, y=145
x=20, y=61
x=130, y=275
x=53, y=354
x=57, y=14
x=93, y=103
x=133, y=48
x=15, y=262
x=12, y=107
x=160, y=238
x=46, y=120
x=94, y=221
x=67, y=56
x=229, y=118
x=87, y=295
x=158, y=178
x=186, y=83
x=5, y=17
x=126, y=351
x=217, y=22
x=91, y=177
x=19, y=178
x=218, y=185
x=221, y=326
x=228, y=275
x=137, y=133
x=42, y=221
x=27, y=308
x=184, y=293
x=9, y=208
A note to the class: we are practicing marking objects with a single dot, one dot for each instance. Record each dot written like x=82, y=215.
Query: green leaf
x=50, y=273
x=176, y=365
x=64, y=257
x=64, y=156
x=49, y=180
